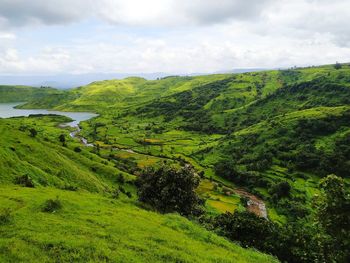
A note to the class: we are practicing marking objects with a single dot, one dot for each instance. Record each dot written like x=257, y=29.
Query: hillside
x=248, y=122
x=93, y=225
x=23, y=93
x=94, y=228
x=261, y=142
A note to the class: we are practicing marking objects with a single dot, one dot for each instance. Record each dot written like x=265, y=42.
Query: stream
x=8, y=110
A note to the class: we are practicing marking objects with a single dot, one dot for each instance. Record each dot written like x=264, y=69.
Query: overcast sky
x=173, y=36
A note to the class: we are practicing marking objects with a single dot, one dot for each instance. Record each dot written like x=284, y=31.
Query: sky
x=43, y=37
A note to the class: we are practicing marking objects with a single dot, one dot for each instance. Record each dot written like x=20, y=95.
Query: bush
x=52, y=205
x=33, y=132
x=121, y=179
x=5, y=216
x=122, y=189
x=244, y=200
x=170, y=190
x=337, y=66
x=77, y=149
x=115, y=194
x=280, y=190
x=24, y=180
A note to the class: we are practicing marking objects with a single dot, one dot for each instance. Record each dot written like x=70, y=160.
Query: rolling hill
x=268, y=137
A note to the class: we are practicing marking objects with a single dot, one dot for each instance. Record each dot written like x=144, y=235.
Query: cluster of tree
x=324, y=237
x=169, y=189
x=189, y=105
x=293, y=146
x=229, y=170
x=292, y=97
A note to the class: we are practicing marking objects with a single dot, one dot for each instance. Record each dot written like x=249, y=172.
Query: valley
x=260, y=142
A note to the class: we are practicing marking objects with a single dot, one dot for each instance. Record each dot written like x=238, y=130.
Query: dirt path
x=255, y=204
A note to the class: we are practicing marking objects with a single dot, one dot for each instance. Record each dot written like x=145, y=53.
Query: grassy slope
x=175, y=117
x=92, y=228
x=45, y=160
x=259, y=104
x=23, y=93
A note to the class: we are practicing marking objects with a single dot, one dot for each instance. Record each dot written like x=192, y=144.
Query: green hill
x=93, y=228
x=269, y=136
x=23, y=93
x=92, y=225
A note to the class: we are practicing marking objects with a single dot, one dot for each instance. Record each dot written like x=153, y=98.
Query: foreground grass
x=93, y=228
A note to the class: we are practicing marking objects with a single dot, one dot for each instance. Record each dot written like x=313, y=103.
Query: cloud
x=132, y=12
x=14, y=13
x=166, y=35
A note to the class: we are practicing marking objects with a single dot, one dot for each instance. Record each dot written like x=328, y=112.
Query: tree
x=170, y=190
x=33, y=132
x=333, y=215
x=249, y=229
x=337, y=66
x=62, y=139
x=281, y=189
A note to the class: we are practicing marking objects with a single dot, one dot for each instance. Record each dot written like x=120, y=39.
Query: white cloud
x=191, y=36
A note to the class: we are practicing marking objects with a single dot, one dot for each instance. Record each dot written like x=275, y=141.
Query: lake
x=7, y=110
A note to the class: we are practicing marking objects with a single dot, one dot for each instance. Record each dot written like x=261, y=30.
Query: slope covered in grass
x=93, y=225
x=93, y=228
x=45, y=160
x=270, y=136
x=262, y=122
x=23, y=93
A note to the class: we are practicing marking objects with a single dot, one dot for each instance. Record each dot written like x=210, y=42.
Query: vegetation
x=170, y=190
x=256, y=140
x=93, y=227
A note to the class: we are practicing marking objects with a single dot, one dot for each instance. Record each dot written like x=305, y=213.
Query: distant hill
x=66, y=81
x=267, y=137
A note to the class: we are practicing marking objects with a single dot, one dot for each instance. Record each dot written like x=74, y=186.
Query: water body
x=7, y=110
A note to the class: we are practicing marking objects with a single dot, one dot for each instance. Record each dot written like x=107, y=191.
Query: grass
x=198, y=120
x=93, y=228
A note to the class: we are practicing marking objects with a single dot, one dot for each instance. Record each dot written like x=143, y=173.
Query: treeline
x=291, y=146
x=322, y=236
x=189, y=105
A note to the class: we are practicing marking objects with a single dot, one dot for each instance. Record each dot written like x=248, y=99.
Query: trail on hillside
x=255, y=204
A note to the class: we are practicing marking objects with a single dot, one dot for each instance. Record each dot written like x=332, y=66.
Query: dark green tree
x=333, y=215
x=33, y=132
x=170, y=190
x=337, y=66
x=62, y=139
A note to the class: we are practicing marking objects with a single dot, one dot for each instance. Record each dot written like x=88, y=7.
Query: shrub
x=33, y=132
x=24, y=180
x=52, y=205
x=77, y=149
x=170, y=190
x=115, y=194
x=122, y=189
x=121, y=179
x=280, y=190
x=244, y=200
x=337, y=66
x=5, y=216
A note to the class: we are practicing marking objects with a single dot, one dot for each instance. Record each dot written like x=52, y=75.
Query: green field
x=255, y=131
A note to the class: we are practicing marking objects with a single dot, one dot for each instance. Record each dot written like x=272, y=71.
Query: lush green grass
x=282, y=125
x=24, y=93
x=199, y=119
x=46, y=161
x=93, y=228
